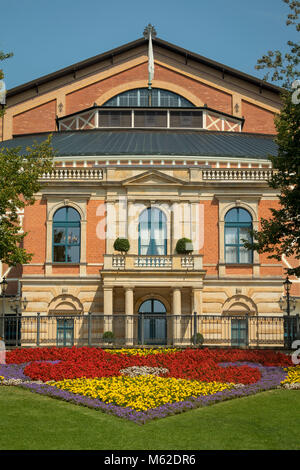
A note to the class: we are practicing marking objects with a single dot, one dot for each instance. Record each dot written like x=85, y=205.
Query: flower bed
x=155, y=383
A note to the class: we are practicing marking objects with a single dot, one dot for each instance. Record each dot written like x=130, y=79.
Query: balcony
x=117, y=262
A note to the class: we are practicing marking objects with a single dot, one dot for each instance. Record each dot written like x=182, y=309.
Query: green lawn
x=269, y=420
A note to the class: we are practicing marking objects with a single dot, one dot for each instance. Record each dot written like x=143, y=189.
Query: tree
x=19, y=181
x=3, y=56
x=284, y=65
x=280, y=235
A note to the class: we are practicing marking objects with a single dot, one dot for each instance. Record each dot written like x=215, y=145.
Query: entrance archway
x=152, y=323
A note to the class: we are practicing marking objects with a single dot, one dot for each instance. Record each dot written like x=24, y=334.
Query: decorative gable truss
x=89, y=119
x=219, y=122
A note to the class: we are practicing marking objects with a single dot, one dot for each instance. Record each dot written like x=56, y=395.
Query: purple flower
x=271, y=377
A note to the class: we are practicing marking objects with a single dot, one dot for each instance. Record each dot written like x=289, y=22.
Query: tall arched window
x=140, y=97
x=238, y=222
x=66, y=236
x=152, y=232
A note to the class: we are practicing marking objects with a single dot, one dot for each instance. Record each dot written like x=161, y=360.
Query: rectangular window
x=59, y=254
x=114, y=118
x=189, y=119
x=150, y=119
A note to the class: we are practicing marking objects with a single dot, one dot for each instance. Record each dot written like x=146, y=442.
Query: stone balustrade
x=237, y=174
x=148, y=262
x=67, y=174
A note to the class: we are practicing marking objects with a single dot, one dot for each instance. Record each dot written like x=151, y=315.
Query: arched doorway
x=239, y=309
x=152, y=323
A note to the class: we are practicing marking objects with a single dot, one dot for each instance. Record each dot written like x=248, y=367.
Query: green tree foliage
x=122, y=245
x=280, y=234
x=184, y=246
x=19, y=181
x=283, y=67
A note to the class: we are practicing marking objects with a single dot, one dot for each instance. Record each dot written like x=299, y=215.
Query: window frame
x=137, y=97
x=238, y=245
x=162, y=226
x=66, y=225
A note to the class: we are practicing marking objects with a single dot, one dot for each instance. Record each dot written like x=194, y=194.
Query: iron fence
x=149, y=330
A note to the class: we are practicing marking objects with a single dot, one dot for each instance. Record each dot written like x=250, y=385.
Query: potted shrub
x=199, y=339
x=108, y=337
x=184, y=246
x=122, y=245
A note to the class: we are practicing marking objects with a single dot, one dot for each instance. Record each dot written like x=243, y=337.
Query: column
x=108, y=308
x=129, y=310
x=176, y=225
x=48, y=264
x=197, y=300
x=177, y=314
x=110, y=226
x=83, y=242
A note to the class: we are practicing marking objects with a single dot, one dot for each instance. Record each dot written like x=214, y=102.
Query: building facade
x=187, y=158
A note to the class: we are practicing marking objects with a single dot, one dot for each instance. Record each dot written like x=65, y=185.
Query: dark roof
x=72, y=69
x=153, y=142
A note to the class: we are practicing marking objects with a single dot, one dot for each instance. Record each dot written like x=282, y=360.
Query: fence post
x=2, y=328
x=18, y=329
x=38, y=325
x=90, y=328
x=297, y=333
x=195, y=328
x=142, y=329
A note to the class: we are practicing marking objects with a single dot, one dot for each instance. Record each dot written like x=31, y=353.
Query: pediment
x=152, y=178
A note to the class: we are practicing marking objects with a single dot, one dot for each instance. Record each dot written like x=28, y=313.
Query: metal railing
x=149, y=330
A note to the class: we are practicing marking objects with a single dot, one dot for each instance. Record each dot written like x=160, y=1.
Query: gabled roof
x=131, y=45
x=150, y=177
x=153, y=142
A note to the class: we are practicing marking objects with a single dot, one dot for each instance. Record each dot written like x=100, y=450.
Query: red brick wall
x=257, y=119
x=39, y=119
x=42, y=118
x=86, y=97
x=211, y=232
x=35, y=240
x=95, y=243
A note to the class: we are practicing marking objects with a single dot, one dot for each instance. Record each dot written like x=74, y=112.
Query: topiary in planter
x=199, y=339
x=122, y=245
x=108, y=337
x=184, y=246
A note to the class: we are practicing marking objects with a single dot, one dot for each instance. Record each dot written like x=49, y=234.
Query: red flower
x=193, y=364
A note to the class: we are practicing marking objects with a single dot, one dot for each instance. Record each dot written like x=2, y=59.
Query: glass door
x=152, y=324
x=65, y=332
x=239, y=332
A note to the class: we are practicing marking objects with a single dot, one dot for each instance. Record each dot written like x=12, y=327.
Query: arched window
x=140, y=97
x=238, y=222
x=66, y=236
x=152, y=232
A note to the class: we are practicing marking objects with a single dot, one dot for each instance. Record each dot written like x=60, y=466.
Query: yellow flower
x=142, y=392
x=293, y=375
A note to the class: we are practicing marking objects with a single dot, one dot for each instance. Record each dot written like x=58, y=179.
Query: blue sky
x=47, y=35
